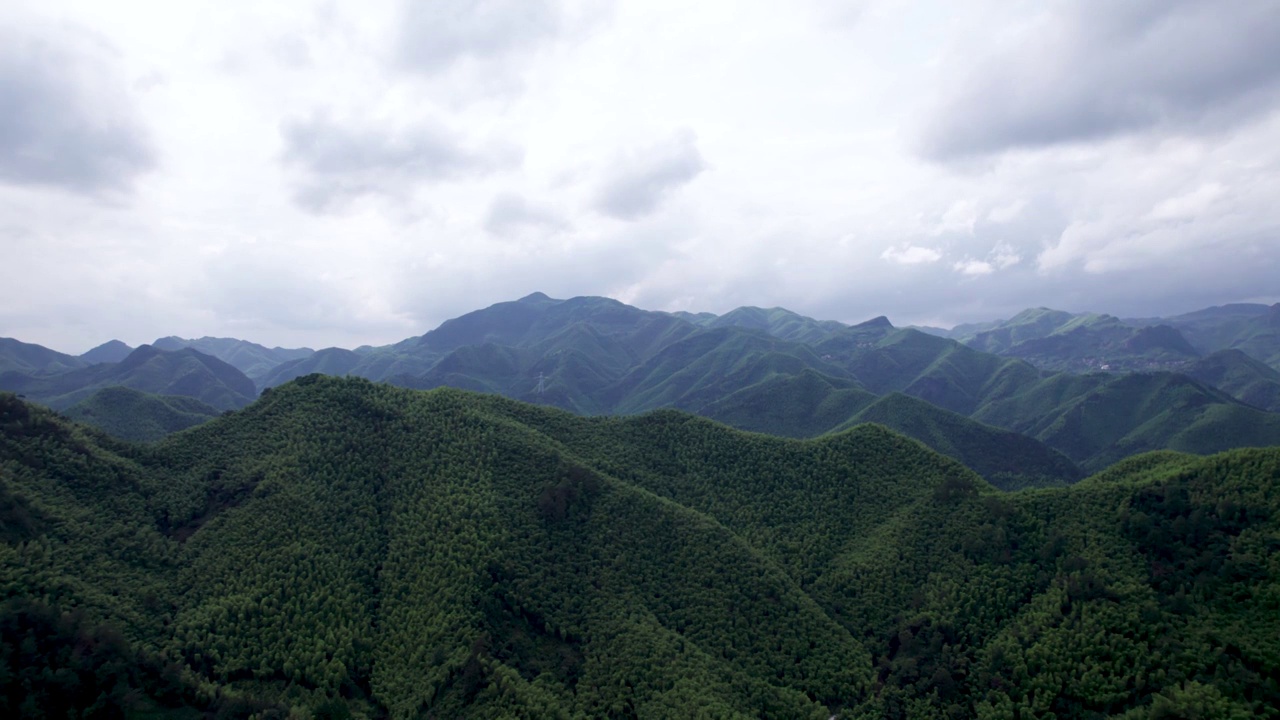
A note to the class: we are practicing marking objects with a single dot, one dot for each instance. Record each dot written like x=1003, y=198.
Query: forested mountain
x=778, y=322
x=1057, y=340
x=1241, y=376
x=112, y=351
x=344, y=547
x=1004, y=458
x=1251, y=328
x=135, y=415
x=252, y=359
x=775, y=371
x=27, y=358
x=183, y=372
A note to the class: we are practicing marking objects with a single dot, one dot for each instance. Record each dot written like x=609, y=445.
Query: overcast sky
x=326, y=173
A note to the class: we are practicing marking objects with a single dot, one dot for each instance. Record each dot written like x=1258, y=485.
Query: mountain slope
x=1129, y=414
x=1240, y=376
x=1005, y=458
x=252, y=359
x=807, y=404
x=778, y=322
x=708, y=365
x=1061, y=341
x=346, y=547
x=184, y=372
x=112, y=351
x=31, y=359
x=130, y=414
x=1249, y=327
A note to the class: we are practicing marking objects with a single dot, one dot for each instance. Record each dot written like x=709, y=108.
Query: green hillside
x=1060, y=341
x=1030, y=324
x=184, y=372
x=780, y=323
x=1005, y=459
x=252, y=359
x=707, y=366
x=774, y=371
x=31, y=359
x=131, y=414
x=346, y=548
x=804, y=405
x=112, y=351
x=1241, y=376
x=1249, y=327
x=1099, y=419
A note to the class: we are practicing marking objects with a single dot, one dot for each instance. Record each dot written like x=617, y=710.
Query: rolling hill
x=112, y=351
x=183, y=372
x=27, y=358
x=774, y=371
x=130, y=414
x=252, y=359
x=1060, y=341
x=341, y=547
x=1240, y=376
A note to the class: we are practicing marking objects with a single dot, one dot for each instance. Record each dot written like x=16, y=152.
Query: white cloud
x=911, y=255
x=974, y=267
x=1190, y=205
x=466, y=152
x=637, y=181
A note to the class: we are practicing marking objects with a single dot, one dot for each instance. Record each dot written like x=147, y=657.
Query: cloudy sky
x=325, y=173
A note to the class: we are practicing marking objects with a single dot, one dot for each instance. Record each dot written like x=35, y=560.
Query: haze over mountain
x=1014, y=424
x=182, y=372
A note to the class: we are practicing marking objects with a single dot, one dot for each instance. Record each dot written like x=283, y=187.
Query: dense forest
x=342, y=548
x=1041, y=399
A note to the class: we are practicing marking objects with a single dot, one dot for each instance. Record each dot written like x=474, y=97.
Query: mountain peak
x=880, y=321
x=535, y=297
x=110, y=351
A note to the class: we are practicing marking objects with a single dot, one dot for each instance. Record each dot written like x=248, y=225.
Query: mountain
x=1004, y=458
x=183, y=372
x=252, y=359
x=344, y=548
x=706, y=366
x=1057, y=340
x=810, y=404
x=329, y=361
x=130, y=414
x=31, y=359
x=1030, y=324
x=1241, y=376
x=1099, y=419
x=614, y=337
x=804, y=405
x=1251, y=328
x=778, y=322
x=1060, y=341
x=112, y=351
x=775, y=371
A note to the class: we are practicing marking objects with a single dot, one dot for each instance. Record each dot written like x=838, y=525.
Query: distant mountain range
x=183, y=372
x=1057, y=340
x=1036, y=399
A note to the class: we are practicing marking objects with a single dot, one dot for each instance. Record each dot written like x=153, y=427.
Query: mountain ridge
x=345, y=546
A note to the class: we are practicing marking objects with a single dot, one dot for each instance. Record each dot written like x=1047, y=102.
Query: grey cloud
x=510, y=212
x=342, y=161
x=643, y=180
x=437, y=33
x=67, y=121
x=1095, y=68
